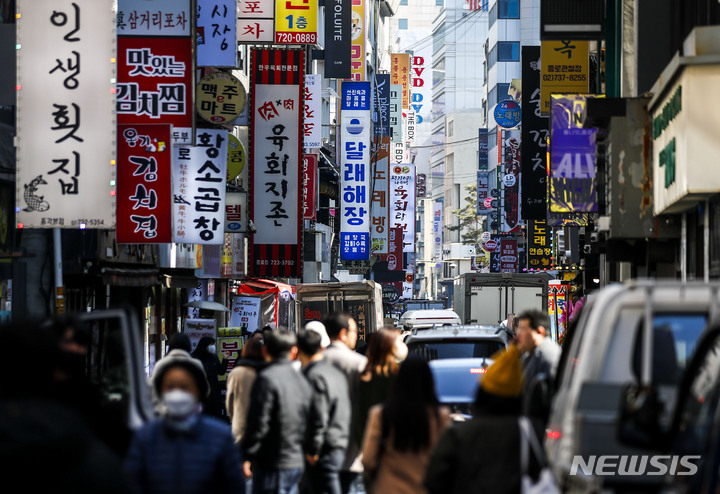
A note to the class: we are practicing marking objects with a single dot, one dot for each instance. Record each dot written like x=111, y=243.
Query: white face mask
x=180, y=404
x=212, y=348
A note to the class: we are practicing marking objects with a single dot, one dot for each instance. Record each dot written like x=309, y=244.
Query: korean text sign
x=256, y=21
x=144, y=184
x=400, y=74
x=65, y=109
x=309, y=185
x=565, y=69
x=539, y=246
x=199, y=189
x=216, y=33
x=511, y=180
x=296, y=21
x=357, y=34
x=245, y=313
x=312, y=112
x=355, y=171
x=276, y=172
x=402, y=202
x=156, y=18
x=155, y=83
x=379, y=200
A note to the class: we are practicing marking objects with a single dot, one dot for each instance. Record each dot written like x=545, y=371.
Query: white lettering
x=626, y=465
x=608, y=461
x=631, y=470
x=579, y=461
x=687, y=463
x=658, y=462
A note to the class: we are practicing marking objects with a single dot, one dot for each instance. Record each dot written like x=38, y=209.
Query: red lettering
x=418, y=61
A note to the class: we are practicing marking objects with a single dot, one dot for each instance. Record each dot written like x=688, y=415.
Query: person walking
x=273, y=444
x=240, y=382
x=206, y=352
x=184, y=451
x=331, y=411
x=402, y=432
x=342, y=331
x=178, y=343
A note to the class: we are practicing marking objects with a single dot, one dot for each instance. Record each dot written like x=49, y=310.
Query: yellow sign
x=357, y=41
x=236, y=157
x=296, y=21
x=220, y=97
x=565, y=69
x=400, y=74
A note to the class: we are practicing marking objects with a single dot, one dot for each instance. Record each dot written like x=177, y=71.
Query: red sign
x=490, y=245
x=144, y=184
x=309, y=186
x=155, y=83
x=395, y=245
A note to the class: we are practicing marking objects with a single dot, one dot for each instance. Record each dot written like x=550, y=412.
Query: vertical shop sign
x=159, y=18
x=402, y=202
x=511, y=181
x=155, y=83
x=338, y=23
x=396, y=113
x=421, y=93
x=535, y=134
x=357, y=47
x=309, y=186
x=296, y=22
x=276, y=135
x=483, y=192
x=539, y=246
x=144, y=184
x=379, y=202
x=395, y=249
x=65, y=110
x=199, y=189
x=565, y=69
x=236, y=212
x=409, y=116
x=381, y=105
x=312, y=112
x=508, y=255
x=437, y=230
x=355, y=171
x=216, y=33
x=400, y=74
x=256, y=21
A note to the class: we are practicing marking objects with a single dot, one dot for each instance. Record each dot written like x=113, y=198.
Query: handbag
x=545, y=484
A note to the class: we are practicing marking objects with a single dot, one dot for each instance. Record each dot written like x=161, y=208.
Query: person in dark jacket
x=331, y=408
x=277, y=421
x=184, y=451
x=206, y=352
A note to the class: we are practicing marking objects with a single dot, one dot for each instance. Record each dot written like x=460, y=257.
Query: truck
x=362, y=299
x=488, y=298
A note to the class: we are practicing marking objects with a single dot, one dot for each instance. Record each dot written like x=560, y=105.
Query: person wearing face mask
x=206, y=352
x=184, y=451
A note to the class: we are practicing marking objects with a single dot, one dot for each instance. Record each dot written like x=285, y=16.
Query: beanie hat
x=504, y=377
x=181, y=358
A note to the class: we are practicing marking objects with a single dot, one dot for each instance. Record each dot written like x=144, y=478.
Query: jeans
x=271, y=481
x=324, y=477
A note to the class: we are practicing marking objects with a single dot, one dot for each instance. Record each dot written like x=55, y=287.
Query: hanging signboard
x=379, y=201
x=65, y=114
x=357, y=36
x=256, y=21
x=437, y=230
x=309, y=186
x=236, y=212
x=236, y=157
x=338, y=23
x=511, y=181
x=381, y=105
x=199, y=189
x=565, y=69
x=507, y=113
x=216, y=33
x=402, y=202
x=395, y=249
x=539, y=246
x=312, y=112
x=275, y=249
x=396, y=113
x=220, y=98
x=508, y=255
x=400, y=74
x=156, y=18
x=144, y=184
x=355, y=171
x=296, y=22
x=245, y=313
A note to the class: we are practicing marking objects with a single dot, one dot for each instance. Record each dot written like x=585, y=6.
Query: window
x=450, y=128
x=508, y=9
x=403, y=2
x=439, y=3
x=508, y=51
x=498, y=93
x=402, y=23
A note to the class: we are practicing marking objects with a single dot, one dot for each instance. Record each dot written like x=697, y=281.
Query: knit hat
x=181, y=358
x=504, y=377
x=319, y=328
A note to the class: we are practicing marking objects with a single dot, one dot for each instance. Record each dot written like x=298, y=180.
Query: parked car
x=639, y=329
x=458, y=357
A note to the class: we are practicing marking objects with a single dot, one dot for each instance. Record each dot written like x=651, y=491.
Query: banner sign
x=409, y=116
x=199, y=189
x=144, y=184
x=508, y=255
x=309, y=186
x=355, y=171
x=65, y=114
x=483, y=149
x=256, y=21
x=236, y=212
x=396, y=113
x=275, y=250
x=421, y=186
x=535, y=132
x=220, y=98
x=312, y=112
x=395, y=249
x=159, y=18
x=216, y=33
x=196, y=329
x=421, y=93
x=357, y=35
x=155, y=83
x=409, y=277
x=539, y=246
x=296, y=22
x=380, y=199
x=402, y=202
x=245, y=313
x=565, y=69
x=338, y=23
x=483, y=192
x=437, y=230
x=381, y=105
x=511, y=181
x=400, y=74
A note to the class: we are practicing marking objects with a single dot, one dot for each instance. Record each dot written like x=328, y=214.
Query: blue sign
x=355, y=95
x=507, y=113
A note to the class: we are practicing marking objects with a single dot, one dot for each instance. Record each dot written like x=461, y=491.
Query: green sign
x=671, y=110
x=667, y=159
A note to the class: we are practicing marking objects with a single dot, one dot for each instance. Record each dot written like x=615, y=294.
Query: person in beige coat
x=240, y=381
x=401, y=433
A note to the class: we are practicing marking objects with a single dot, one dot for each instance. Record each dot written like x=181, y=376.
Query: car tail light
x=478, y=370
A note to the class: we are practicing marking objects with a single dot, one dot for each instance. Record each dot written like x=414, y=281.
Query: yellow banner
x=565, y=69
x=296, y=21
x=400, y=74
x=357, y=40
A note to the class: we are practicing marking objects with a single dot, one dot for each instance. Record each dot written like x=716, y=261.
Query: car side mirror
x=639, y=418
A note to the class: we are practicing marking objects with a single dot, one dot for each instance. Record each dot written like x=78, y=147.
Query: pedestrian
x=342, y=331
x=240, y=382
x=540, y=361
x=331, y=411
x=483, y=454
x=273, y=444
x=179, y=343
x=206, y=352
x=402, y=432
x=185, y=450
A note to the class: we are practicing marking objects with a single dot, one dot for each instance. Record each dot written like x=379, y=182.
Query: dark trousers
x=324, y=477
x=271, y=481
x=348, y=482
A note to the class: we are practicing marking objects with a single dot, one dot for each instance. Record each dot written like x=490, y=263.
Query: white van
x=423, y=319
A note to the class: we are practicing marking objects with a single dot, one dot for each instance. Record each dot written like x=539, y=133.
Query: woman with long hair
x=206, y=352
x=240, y=381
x=402, y=432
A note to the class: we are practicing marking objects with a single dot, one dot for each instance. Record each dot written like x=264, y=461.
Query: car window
x=455, y=348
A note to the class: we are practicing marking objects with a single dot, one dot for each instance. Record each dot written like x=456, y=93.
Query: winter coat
x=331, y=403
x=213, y=405
x=239, y=385
x=369, y=393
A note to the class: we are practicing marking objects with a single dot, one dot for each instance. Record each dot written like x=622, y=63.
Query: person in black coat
x=206, y=352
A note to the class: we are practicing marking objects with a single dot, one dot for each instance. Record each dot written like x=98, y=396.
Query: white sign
x=421, y=96
x=409, y=126
x=198, y=328
x=437, y=230
x=217, y=33
x=396, y=121
x=509, y=180
x=156, y=18
x=199, y=175
x=245, y=313
x=256, y=21
x=65, y=114
x=312, y=112
x=485, y=236
x=198, y=292
x=402, y=202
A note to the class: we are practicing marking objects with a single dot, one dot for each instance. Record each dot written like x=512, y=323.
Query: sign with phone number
x=296, y=21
